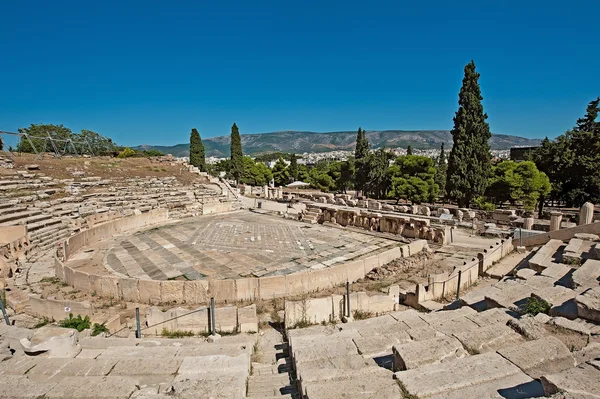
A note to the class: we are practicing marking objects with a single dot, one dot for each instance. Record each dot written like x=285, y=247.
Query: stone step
x=8, y=208
x=438, y=379
x=18, y=216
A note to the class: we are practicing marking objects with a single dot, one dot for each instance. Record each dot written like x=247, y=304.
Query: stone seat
x=582, y=381
x=543, y=256
x=18, y=217
x=440, y=380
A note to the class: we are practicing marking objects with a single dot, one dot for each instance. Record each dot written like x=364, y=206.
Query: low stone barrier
x=443, y=285
x=57, y=309
x=155, y=292
x=109, y=229
x=332, y=308
x=561, y=234
x=403, y=225
x=229, y=319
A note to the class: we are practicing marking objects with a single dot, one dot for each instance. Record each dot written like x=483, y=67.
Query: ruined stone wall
x=561, y=234
x=57, y=309
x=446, y=285
x=333, y=308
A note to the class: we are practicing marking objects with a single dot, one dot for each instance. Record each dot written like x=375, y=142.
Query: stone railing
x=404, y=226
x=562, y=234
x=446, y=285
x=333, y=308
x=229, y=319
x=200, y=291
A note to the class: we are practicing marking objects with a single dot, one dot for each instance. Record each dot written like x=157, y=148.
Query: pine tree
x=440, y=173
x=237, y=161
x=409, y=150
x=469, y=164
x=362, y=160
x=197, y=151
x=294, y=167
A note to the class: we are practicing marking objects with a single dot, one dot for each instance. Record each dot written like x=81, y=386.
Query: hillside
x=300, y=142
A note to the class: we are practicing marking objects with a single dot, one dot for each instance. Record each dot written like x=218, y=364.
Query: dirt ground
x=105, y=167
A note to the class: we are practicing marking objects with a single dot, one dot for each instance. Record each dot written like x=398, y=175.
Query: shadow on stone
x=532, y=389
x=387, y=362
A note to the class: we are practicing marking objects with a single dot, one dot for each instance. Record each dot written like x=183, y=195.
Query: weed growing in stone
x=362, y=314
x=533, y=306
x=176, y=334
x=43, y=322
x=98, y=329
x=77, y=323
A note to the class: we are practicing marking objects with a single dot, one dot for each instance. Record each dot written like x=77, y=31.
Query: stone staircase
x=272, y=374
x=156, y=368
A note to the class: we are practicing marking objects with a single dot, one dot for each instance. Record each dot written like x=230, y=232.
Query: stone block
x=94, y=387
x=577, y=382
x=109, y=287
x=246, y=289
x=489, y=338
x=171, y=291
x=441, y=380
x=247, y=319
x=272, y=287
x=588, y=305
x=417, y=354
x=129, y=289
x=196, y=292
x=54, y=341
x=226, y=319
x=149, y=291
x=546, y=355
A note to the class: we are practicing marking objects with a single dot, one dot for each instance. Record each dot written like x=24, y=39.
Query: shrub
x=127, y=153
x=361, y=314
x=98, y=329
x=534, y=306
x=483, y=204
x=77, y=323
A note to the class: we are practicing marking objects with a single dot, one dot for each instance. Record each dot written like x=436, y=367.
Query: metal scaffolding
x=56, y=146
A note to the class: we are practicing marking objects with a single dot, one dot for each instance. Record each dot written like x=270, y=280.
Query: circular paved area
x=241, y=244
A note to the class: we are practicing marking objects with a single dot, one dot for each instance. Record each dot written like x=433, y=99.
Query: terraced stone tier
x=236, y=245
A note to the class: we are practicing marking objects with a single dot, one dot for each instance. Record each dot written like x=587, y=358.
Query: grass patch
x=43, y=322
x=302, y=324
x=54, y=280
x=176, y=334
x=98, y=329
x=533, y=306
x=361, y=314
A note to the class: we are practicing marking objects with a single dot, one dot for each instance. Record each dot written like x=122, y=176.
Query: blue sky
x=147, y=72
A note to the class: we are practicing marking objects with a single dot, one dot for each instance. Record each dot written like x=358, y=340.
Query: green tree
x=571, y=161
x=412, y=178
x=518, y=182
x=281, y=173
x=440, y=173
x=346, y=175
x=378, y=179
x=99, y=144
x=469, y=163
x=237, y=163
x=362, y=161
x=409, y=150
x=255, y=173
x=197, y=158
x=293, y=167
x=38, y=135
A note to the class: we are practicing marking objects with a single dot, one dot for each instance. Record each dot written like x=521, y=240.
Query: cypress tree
x=469, y=163
x=197, y=151
x=237, y=161
x=361, y=154
x=409, y=150
x=294, y=167
x=440, y=173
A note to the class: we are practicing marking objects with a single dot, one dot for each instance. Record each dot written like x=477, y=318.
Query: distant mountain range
x=300, y=142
